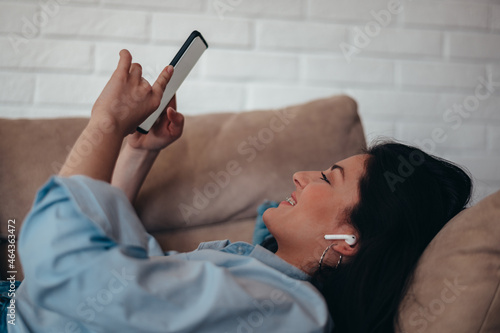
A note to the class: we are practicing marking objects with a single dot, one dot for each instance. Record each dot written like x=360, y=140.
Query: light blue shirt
x=90, y=266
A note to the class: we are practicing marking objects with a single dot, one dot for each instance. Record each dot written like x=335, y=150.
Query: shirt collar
x=260, y=253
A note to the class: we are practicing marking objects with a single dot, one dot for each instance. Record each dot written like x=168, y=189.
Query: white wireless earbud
x=349, y=239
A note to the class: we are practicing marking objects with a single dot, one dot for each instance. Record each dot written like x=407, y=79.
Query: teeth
x=291, y=201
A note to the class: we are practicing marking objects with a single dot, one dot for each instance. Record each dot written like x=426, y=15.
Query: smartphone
x=183, y=62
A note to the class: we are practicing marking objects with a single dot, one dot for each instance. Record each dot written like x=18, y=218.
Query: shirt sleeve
x=87, y=257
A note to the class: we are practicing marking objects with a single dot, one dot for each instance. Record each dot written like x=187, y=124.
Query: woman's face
x=318, y=207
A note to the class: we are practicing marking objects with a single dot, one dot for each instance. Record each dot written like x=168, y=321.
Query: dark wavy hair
x=406, y=197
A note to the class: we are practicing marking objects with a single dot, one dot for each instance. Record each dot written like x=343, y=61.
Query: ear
x=342, y=246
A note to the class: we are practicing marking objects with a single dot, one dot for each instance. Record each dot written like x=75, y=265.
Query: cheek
x=320, y=206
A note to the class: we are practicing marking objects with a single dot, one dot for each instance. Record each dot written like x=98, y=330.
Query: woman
x=91, y=267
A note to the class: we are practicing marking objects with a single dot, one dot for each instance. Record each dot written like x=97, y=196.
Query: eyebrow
x=336, y=166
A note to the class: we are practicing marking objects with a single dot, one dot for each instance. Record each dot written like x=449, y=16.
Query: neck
x=301, y=263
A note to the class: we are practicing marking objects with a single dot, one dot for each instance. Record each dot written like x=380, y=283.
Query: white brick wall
x=345, y=10
x=430, y=13
x=185, y=5
x=431, y=75
x=288, y=35
x=404, y=42
x=474, y=45
x=21, y=54
x=228, y=32
x=68, y=89
x=245, y=66
x=359, y=71
x=495, y=17
x=414, y=67
x=494, y=139
x=275, y=8
x=17, y=10
x=93, y=23
x=17, y=87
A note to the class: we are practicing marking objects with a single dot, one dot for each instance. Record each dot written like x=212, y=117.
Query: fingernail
x=170, y=69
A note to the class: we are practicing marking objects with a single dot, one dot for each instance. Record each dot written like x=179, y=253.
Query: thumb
x=175, y=117
x=176, y=122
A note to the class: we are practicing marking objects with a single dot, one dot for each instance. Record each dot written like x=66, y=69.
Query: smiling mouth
x=291, y=201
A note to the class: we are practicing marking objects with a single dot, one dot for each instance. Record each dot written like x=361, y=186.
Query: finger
x=162, y=80
x=145, y=83
x=176, y=119
x=136, y=72
x=173, y=103
x=124, y=62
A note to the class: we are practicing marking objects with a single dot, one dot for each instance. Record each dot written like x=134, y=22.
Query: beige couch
x=208, y=185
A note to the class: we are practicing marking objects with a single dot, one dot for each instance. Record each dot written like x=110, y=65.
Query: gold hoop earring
x=323, y=256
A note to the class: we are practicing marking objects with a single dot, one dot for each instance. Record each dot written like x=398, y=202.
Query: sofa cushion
x=456, y=282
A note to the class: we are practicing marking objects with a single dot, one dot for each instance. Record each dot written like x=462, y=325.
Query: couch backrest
x=456, y=286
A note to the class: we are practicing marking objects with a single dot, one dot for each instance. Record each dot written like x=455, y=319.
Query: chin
x=265, y=216
x=269, y=218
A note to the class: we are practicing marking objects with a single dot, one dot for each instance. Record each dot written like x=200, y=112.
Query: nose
x=301, y=179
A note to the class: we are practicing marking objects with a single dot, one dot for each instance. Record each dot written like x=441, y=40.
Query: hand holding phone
x=167, y=129
x=183, y=62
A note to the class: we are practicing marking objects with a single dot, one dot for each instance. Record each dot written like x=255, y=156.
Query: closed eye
x=323, y=177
